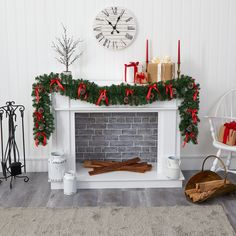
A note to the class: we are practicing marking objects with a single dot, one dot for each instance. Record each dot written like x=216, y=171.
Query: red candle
x=147, y=51
x=178, y=51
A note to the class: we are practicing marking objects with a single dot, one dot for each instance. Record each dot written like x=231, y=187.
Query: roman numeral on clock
x=128, y=36
x=114, y=45
x=105, y=42
x=99, y=35
x=130, y=28
x=114, y=10
x=105, y=12
x=99, y=19
x=99, y=28
x=123, y=42
x=129, y=19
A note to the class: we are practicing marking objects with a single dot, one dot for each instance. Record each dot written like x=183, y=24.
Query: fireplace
x=86, y=131
x=116, y=136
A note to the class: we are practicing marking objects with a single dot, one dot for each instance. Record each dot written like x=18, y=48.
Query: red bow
x=103, y=95
x=36, y=91
x=187, y=137
x=38, y=115
x=44, y=138
x=80, y=87
x=194, y=114
x=228, y=127
x=131, y=64
x=57, y=81
x=129, y=92
x=169, y=89
x=196, y=92
x=151, y=87
x=139, y=77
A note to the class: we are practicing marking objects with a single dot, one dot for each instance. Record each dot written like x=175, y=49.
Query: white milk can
x=173, y=167
x=69, y=181
x=56, y=167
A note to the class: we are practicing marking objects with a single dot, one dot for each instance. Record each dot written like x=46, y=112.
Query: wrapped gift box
x=227, y=135
x=141, y=78
x=130, y=71
x=161, y=71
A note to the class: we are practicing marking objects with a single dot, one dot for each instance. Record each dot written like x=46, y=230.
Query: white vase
x=69, y=181
x=173, y=167
x=56, y=167
x=67, y=73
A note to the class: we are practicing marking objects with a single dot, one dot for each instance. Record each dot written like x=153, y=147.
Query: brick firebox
x=116, y=136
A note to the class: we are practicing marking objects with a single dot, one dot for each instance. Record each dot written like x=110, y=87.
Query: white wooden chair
x=225, y=111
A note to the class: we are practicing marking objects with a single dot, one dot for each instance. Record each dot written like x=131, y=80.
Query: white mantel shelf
x=168, y=144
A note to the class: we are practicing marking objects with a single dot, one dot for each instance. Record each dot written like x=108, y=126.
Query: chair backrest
x=226, y=106
x=224, y=111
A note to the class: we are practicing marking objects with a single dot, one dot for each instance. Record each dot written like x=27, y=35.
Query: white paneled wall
x=206, y=29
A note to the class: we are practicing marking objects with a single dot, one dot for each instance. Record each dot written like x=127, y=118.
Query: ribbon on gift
x=103, y=95
x=228, y=127
x=57, y=81
x=150, y=88
x=38, y=115
x=193, y=114
x=169, y=90
x=36, y=92
x=80, y=87
x=131, y=64
x=129, y=92
x=196, y=92
x=40, y=134
x=139, y=77
x=187, y=138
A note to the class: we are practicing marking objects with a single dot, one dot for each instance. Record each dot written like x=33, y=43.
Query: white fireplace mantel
x=168, y=143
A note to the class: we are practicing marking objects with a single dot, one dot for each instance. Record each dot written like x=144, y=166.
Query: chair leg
x=215, y=162
x=228, y=161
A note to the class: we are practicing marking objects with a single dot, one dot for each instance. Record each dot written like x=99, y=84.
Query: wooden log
x=191, y=191
x=133, y=168
x=95, y=163
x=114, y=166
x=211, y=185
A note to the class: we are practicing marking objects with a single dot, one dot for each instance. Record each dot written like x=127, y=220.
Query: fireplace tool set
x=11, y=162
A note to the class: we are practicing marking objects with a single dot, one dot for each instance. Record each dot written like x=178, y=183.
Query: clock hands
x=118, y=19
x=113, y=27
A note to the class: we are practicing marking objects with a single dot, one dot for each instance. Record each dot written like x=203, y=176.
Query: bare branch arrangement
x=65, y=47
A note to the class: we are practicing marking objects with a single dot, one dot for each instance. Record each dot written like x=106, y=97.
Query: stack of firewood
x=204, y=189
x=133, y=165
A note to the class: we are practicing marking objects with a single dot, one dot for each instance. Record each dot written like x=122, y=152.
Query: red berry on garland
x=126, y=100
x=41, y=110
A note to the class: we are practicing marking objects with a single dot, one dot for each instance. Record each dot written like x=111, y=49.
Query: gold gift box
x=167, y=71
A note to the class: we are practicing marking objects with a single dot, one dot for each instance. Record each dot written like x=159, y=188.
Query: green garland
x=183, y=88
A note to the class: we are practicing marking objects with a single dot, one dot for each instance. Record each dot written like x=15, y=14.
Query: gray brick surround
x=116, y=136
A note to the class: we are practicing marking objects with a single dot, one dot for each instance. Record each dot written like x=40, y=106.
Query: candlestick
x=178, y=70
x=146, y=54
x=178, y=51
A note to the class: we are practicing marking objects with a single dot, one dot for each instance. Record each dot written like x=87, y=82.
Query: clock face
x=114, y=28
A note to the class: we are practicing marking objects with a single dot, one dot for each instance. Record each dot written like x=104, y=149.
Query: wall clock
x=115, y=28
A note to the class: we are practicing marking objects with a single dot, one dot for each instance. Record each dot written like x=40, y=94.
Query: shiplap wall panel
x=206, y=29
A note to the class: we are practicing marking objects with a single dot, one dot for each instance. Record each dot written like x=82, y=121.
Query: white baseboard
x=36, y=165
x=195, y=162
x=187, y=163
